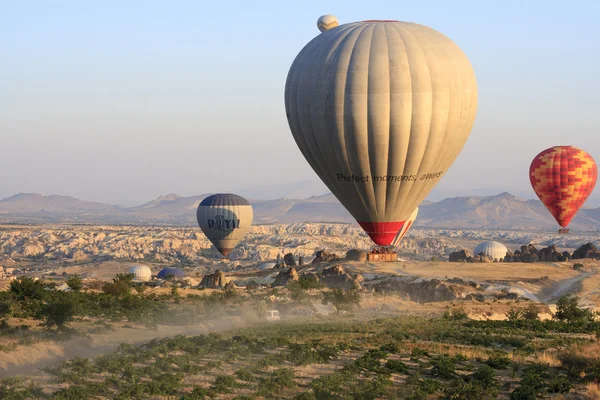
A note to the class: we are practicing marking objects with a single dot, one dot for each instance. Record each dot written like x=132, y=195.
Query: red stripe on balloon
x=382, y=233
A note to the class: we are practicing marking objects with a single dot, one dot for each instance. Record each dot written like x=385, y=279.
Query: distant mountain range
x=502, y=211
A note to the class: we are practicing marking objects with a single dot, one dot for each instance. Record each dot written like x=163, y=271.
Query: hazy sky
x=123, y=101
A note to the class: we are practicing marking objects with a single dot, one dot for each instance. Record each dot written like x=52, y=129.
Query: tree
x=75, y=283
x=5, y=308
x=25, y=287
x=140, y=288
x=342, y=301
x=514, y=314
x=175, y=294
x=58, y=311
x=567, y=309
x=307, y=283
x=531, y=312
x=120, y=286
x=297, y=292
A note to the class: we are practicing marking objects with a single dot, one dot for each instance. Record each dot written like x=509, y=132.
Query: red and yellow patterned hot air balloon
x=563, y=177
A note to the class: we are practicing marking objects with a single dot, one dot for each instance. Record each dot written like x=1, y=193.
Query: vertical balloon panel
x=404, y=230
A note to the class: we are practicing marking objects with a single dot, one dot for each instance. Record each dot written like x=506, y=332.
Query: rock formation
x=284, y=277
x=324, y=256
x=550, y=254
x=214, y=281
x=230, y=285
x=459, y=256
x=588, y=250
x=289, y=260
x=336, y=277
x=356, y=255
x=422, y=291
x=252, y=285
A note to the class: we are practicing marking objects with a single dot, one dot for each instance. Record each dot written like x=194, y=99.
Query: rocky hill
x=502, y=211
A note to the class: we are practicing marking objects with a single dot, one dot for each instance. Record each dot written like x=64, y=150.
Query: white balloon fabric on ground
x=141, y=273
x=494, y=249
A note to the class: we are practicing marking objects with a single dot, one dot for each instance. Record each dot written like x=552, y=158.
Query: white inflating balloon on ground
x=494, y=249
x=380, y=110
x=406, y=227
x=141, y=273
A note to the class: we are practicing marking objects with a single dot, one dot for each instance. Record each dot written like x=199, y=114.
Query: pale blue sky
x=122, y=101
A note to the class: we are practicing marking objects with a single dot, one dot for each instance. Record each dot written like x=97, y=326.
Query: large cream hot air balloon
x=380, y=110
x=225, y=219
x=406, y=227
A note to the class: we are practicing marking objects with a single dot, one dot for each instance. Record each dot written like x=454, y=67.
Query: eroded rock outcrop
x=336, y=277
x=286, y=276
x=480, y=258
x=289, y=260
x=422, y=291
x=214, y=281
x=356, y=255
x=324, y=256
x=588, y=250
x=550, y=254
x=459, y=256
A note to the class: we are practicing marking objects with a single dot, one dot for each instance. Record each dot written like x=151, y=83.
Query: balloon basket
x=382, y=253
x=563, y=231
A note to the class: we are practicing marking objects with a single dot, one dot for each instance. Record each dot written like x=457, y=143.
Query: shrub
x=443, y=366
x=58, y=312
x=396, y=366
x=456, y=313
x=308, y=283
x=297, y=292
x=567, y=309
x=577, y=266
x=120, y=286
x=460, y=390
x=140, y=288
x=485, y=376
x=498, y=361
x=175, y=294
x=75, y=283
x=342, y=301
x=5, y=308
x=513, y=314
x=560, y=384
x=531, y=312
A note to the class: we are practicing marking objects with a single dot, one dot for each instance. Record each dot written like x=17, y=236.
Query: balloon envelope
x=224, y=218
x=494, y=249
x=326, y=22
x=406, y=227
x=380, y=110
x=170, y=272
x=141, y=273
x=563, y=177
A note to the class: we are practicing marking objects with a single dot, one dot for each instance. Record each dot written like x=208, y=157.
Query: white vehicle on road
x=273, y=315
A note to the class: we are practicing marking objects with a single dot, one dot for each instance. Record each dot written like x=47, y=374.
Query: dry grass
x=588, y=352
x=592, y=391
